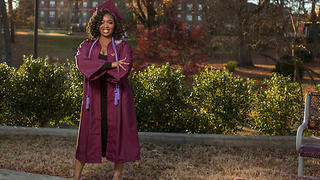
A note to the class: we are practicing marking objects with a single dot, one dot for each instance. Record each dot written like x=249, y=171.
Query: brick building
x=189, y=11
x=57, y=14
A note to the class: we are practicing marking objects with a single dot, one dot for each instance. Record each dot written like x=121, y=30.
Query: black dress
x=104, y=87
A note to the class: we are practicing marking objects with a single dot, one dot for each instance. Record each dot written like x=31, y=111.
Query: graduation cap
x=110, y=6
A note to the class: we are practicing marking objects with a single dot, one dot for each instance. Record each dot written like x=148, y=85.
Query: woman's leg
x=118, y=167
x=78, y=169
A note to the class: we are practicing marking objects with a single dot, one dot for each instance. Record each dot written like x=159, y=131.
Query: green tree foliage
x=221, y=101
x=278, y=106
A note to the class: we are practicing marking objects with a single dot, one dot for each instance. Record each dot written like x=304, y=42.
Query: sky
x=253, y=1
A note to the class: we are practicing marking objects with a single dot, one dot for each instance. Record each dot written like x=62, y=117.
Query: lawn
x=55, y=47
x=54, y=155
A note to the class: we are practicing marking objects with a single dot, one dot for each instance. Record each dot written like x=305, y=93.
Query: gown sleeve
x=89, y=67
x=124, y=53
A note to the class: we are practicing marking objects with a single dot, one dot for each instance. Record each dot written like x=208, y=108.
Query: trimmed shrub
x=278, y=106
x=318, y=87
x=73, y=94
x=160, y=99
x=231, y=66
x=285, y=67
x=304, y=55
x=35, y=97
x=6, y=72
x=221, y=101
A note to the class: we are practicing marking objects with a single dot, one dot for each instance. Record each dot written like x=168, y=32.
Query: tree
x=24, y=13
x=314, y=27
x=5, y=25
x=12, y=20
x=1, y=38
x=149, y=12
x=233, y=18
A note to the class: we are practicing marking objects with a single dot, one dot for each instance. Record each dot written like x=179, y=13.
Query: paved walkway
x=15, y=175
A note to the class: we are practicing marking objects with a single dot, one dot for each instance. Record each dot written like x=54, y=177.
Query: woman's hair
x=96, y=21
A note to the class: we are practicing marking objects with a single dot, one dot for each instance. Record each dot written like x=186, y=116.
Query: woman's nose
x=105, y=25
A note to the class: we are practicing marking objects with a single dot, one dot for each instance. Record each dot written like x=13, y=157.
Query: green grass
x=55, y=47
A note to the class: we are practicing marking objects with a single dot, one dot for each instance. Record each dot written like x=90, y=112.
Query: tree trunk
x=1, y=51
x=296, y=77
x=314, y=29
x=6, y=31
x=12, y=20
x=244, y=54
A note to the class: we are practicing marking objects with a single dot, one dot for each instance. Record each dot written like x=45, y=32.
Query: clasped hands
x=118, y=64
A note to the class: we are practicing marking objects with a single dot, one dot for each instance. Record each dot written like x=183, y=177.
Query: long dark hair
x=95, y=23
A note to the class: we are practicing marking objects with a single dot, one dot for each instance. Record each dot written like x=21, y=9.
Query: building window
x=94, y=4
x=41, y=13
x=179, y=15
x=52, y=14
x=42, y=3
x=85, y=4
x=41, y=23
x=52, y=3
x=61, y=3
x=61, y=13
x=190, y=6
x=52, y=23
x=73, y=4
x=73, y=14
x=200, y=7
x=179, y=6
x=85, y=15
x=127, y=4
x=199, y=18
x=189, y=17
x=116, y=4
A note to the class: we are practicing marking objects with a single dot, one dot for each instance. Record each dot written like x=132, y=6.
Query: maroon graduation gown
x=122, y=137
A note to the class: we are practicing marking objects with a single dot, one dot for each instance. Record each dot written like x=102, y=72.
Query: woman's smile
x=107, y=26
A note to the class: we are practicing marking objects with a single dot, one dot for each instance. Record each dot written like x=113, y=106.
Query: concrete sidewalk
x=15, y=175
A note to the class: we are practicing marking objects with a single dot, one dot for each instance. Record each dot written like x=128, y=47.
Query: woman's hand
x=119, y=64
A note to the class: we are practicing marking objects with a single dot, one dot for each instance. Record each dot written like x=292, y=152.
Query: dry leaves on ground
x=54, y=155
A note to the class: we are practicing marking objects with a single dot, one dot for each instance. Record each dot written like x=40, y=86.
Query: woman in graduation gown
x=108, y=119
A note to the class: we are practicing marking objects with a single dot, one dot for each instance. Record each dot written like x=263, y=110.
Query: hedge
x=222, y=101
x=40, y=94
x=278, y=106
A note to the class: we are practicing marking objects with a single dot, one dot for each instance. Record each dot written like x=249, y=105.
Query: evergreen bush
x=278, y=106
x=231, y=66
x=6, y=72
x=285, y=67
x=73, y=94
x=160, y=99
x=35, y=96
x=304, y=55
x=221, y=101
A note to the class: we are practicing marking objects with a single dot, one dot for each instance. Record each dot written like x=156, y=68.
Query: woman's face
x=107, y=26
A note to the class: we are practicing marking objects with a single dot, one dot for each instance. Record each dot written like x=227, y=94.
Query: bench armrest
x=304, y=124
